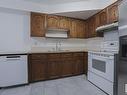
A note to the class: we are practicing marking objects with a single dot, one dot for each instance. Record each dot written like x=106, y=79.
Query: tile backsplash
x=66, y=44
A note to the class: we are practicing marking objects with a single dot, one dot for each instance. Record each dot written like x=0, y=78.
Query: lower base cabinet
x=38, y=70
x=54, y=69
x=50, y=66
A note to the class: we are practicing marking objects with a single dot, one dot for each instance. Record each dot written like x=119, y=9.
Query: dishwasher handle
x=13, y=57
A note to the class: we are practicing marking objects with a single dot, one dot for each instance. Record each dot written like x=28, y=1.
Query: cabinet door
x=73, y=30
x=37, y=25
x=77, y=29
x=113, y=13
x=80, y=29
x=64, y=23
x=92, y=27
x=67, y=67
x=52, y=21
x=103, y=17
x=87, y=29
x=79, y=66
x=38, y=70
x=54, y=69
x=54, y=65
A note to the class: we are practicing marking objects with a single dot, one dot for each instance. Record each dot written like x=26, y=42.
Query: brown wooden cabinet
x=52, y=21
x=91, y=27
x=41, y=22
x=77, y=29
x=73, y=28
x=92, y=24
x=54, y=68
x=37, y=67
x=64, y=23
x=103, y=17
x=81, y=29
x=38, y=70
x=106, y=16
x=57, y=65
x=38, y=25
x=113, y=13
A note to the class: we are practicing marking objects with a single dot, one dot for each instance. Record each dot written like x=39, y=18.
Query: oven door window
x=99, y=65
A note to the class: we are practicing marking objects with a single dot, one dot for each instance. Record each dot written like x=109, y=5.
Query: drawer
x=78, y=54
x=38, y=56
x=54, y=55
x=67, y=55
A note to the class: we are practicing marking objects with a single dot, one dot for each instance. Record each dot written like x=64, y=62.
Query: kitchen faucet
x=58, y=46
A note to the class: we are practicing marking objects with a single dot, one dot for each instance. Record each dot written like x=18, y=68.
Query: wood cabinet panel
x=103, y=17
x=52, y=21
x=77, y=29
x=73, y=30
x=92, y=24
x=38, y=70
x=67, y=68
x=81, y=29
x=54, y=69
x=56, y=65
x=113, y=13
x=37, y=25
x=64, y=23
x=79, y=66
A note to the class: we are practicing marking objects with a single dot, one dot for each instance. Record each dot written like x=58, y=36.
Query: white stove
x=101, y=66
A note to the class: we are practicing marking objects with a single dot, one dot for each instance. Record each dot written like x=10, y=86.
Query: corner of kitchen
x=63, y=47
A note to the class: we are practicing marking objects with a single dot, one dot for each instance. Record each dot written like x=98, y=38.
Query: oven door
x=102, y=66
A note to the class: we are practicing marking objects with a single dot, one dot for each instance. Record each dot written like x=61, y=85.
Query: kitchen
x=53, y=49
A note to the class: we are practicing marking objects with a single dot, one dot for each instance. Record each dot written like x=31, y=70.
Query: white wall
x=14, y=30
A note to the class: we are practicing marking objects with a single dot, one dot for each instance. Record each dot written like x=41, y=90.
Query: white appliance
x=13, y=70
x=101, y=66
x=57, y=33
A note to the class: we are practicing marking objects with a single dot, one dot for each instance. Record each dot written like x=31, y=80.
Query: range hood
x=56, y=33
x=108, y=27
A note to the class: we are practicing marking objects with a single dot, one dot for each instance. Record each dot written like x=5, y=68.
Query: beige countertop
x=47, y=51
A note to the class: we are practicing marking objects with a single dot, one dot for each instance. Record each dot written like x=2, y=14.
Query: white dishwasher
x=13, y=70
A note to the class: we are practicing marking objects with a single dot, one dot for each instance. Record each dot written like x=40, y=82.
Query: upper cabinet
x=41, y=22
x=81, y=29
x=52, y=21
x=77, y=29
x=64, y=23
x=38, y=25
x=113, y=13
x=58, y=22
x=109, y=14
x=73, y=28
x=103, y=17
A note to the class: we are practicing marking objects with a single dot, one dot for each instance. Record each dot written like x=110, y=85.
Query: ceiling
x=81, y=9
x=47, y=2
x=79, y=14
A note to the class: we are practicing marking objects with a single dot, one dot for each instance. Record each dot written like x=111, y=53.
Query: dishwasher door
x=13, y=70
